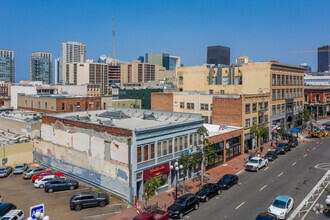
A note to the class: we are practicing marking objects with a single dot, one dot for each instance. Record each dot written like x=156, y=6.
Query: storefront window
x=139, y=154
x=197, y=167
x=218, y=155
x=234, y=147
x=159, y=149
x=163, y=179
x=195, y=139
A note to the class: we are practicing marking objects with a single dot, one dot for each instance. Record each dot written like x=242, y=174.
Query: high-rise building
x=41, y=67
x=138, y=72
x=161, y=59
x=57, y=70
x=218, y=55
x=141, y=58
x=323, y=58
x=72, y=52
x=174, y=63
x=7, y=66
x=308, y=68
x=114, y=74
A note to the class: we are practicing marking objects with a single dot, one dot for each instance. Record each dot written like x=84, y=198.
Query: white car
x=281, y=206
x=40, y=183
x=256, y=163
x=13, y=215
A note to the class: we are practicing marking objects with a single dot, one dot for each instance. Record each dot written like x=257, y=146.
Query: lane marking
x=314, y=148
x=262, y=187
x=305, y=155
x=280, y=174
x=240, y=205
x=294, y=164
x=266, y=168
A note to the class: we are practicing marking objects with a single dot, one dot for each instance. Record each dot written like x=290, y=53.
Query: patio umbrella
x=295, y=130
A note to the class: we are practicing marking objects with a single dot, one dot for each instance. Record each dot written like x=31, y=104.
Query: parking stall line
x=262, y=187
x=240, y=205
x=314, y=148
x=266, y=168
x=280, y=174
x=66, y=191
x=305, y=155
x=294, y=164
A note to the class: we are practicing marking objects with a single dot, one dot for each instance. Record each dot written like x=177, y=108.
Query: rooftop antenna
x=113, y=41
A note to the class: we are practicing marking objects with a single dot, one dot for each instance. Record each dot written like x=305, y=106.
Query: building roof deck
x=30, y=117
x=215, y=129
x=8, y=138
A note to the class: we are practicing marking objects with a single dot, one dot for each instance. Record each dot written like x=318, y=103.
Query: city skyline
x=237, y=25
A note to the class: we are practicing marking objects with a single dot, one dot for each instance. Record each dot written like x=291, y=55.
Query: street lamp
x=176, y=168
x=327, y=201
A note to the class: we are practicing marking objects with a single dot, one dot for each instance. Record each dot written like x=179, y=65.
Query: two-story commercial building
x=317, y=100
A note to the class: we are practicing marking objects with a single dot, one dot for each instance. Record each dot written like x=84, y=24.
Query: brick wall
x=227, y=111
x=98, y=128
x=162, y=101
x=84, y=104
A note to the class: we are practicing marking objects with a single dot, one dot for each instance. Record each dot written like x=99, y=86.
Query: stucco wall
x=20, y=127
x=17, y=153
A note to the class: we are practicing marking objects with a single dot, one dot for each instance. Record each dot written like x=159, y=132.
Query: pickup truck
x=157, y=215
x=256, y=163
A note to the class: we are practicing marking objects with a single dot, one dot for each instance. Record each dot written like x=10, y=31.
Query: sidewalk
x=165, y=199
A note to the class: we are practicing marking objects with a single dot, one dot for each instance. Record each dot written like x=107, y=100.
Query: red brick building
x=51, y=104
x=317, y=100
x=3, y=100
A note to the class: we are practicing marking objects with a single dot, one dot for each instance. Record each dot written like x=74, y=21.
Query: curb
x=240, y=172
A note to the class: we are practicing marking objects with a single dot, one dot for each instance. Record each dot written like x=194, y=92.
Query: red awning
x=156, y=171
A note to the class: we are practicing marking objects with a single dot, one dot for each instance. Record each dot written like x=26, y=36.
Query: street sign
x=36, y=208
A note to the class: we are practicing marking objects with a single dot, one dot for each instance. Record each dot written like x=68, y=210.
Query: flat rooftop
x=131, y=119
x=23, y=116
x=215, y=129
x=55, y=96
x=8, y=138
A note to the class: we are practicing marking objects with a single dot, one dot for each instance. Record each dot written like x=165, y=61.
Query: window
x=195, y=139
x=283, y=108
x=278, y=109
x=274, y=94
x=287, y=93
x=266, y=105
x=46, y=106
x=185, y=144
x=260, y=119
x=287, y=80
x=146, y=152
x=63, y=106
x=306, y=97
x=294, y=106
x=152, y=151
x=180, y=144
x=164, y=148
x=294, y=93
x=290, y=93
x=274, y=110
x=266, y=118
x=283, y=80
x=204, y=106
x=254, y=121
x=278, y=80
x=190, y=105
x=181, y=104
x=159, y=149
x=180, y=80
x=211, y=91
x=247, y=123
x=294, y=80
x=139, y=154
x=278, y=94
x=222, y=92
x=283, y=94
x=247, y=108
x=191, y=137
x=254, y=107
x=206, y=119
x=176, y=144
x=211, y=106
x=317, y=98
x=291, y=80
x=78, y=105
x=170, y=146
x=300, y=92
x=274, y=80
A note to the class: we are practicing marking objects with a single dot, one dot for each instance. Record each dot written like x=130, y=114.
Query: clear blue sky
x=260, y=29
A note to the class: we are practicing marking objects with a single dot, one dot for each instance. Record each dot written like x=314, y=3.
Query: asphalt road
x=293, y=174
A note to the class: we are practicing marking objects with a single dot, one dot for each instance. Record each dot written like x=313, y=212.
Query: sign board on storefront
x=156, y=171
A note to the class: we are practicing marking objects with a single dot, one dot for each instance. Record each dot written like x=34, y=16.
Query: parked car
x=256, y=163
x=183, y=205
x=1, y=199
x=88, y=199
x=5, y=171
x=208, y=191
x=61, y=184
x=271, y=155
x=281, y=206
x=283, y=148
x=32, y=171
x=293, y=142
x=14, y=214
x=266, y=216
x=326, y=127
x=20, y=168
x=46, y=173
x=227, y=181
x=40, y=183
x=5, y=208
x=157, y=215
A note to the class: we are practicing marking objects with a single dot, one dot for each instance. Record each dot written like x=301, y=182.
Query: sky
x=261, y=29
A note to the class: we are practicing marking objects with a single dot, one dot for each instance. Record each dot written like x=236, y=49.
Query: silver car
x=5, y=171
x=20, y=168
x=1, y=199
x=32, y=171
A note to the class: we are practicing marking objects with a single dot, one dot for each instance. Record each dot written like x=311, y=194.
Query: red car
x=46, y=173
x=159, y=215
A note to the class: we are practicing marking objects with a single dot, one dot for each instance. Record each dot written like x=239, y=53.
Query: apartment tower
x=41, y=67
x=7, y=66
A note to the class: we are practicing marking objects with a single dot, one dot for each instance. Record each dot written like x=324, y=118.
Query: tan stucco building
x=138, y=72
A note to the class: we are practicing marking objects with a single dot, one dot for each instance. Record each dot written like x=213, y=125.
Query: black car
x=227, y=181
x=61, y=184
x=208, y=191
x=266, y=216
x=283, y=148
x=271, y=155
x=88, y=199
x=5, y=208
x=183, y=205
x=293, y=142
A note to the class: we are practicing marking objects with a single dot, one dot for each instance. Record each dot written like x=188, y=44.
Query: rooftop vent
x=149, y=116
x=114, y=115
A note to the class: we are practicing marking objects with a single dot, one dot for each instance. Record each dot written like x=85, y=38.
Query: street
x=293, y=174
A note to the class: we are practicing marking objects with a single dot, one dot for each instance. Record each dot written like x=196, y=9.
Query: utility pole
x=113, y=41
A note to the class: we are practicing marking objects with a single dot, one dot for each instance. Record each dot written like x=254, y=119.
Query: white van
x=13, y=215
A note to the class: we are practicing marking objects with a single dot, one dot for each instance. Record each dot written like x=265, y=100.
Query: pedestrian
x=271, y=144
x=262, y=148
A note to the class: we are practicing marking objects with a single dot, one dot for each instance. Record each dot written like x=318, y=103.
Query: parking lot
x=22, y=193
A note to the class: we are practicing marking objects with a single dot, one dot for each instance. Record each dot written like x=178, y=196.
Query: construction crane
x=311, y=51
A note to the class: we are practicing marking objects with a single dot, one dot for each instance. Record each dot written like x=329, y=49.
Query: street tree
x=258, y=133
x=187, y=161
x=149, y=187
x=304, y=116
